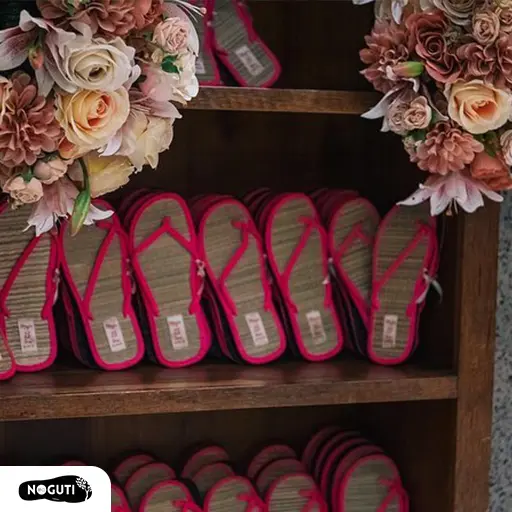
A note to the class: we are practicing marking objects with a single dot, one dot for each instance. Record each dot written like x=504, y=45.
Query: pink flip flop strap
x=254, y=502
x=197, y=283
x=187, y=505
x=395, y=489
x=119, y=508
x=424, y=231
x=310, y=225
x=113, y=228
x=247, y=230
x=356, y=233
x=51, y=282
x=316, y=502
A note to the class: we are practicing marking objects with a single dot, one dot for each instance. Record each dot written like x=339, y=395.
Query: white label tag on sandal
x=257, y=328
x=177, y=332
x=114, y=334
x=249, y=60
x=28, y=339
x=316, y=326
x=389, y=331
x=200, y=67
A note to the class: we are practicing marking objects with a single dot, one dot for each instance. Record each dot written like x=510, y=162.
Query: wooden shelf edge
x=152, y=390
x=283, y=100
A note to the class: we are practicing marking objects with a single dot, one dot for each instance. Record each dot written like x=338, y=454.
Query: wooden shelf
x=68, y=393
x=283, y=100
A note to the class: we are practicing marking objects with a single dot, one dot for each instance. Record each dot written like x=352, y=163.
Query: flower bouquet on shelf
x=87, y=98
x=445, y=69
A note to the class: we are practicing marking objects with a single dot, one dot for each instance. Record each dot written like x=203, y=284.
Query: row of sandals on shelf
x=339, y=470
x=247, y=281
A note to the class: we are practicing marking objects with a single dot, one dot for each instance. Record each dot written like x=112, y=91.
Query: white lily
x=455, y=188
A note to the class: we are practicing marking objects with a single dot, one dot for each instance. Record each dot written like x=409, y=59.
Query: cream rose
x=50, y=171
x=486, y=27
x=458, y=11
x=90, y=118
x=172, y=35
x=107, y=173
x=478, y=107
x=418, y=114
x=93, y=64
x=22, y=191
x=145, y=137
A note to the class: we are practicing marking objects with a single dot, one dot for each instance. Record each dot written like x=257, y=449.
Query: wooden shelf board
x=68, y=393
x=283, y=100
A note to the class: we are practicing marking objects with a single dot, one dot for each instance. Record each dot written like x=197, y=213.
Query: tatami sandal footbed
x=96, y=269
x=296, y=246
x=119, y=503
x=276, y=469
x=206, y=478
x=233, y=494
x=240, y=49
x=295, y=492
x=168, y=496
x=405, y=255
x=201, y=458
x=169, y=275
x=126, y=468
x=267, y=455
x=27, y=326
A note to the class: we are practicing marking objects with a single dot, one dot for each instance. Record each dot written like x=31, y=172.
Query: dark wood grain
x=149, y=390
x=476, y=308
x=283, y=100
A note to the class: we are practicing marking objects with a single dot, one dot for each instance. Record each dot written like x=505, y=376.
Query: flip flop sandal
x=327, y=448
x=352, y=230
x=295, y=492
x=144, y=479
x=239, y=48
x=170, y=275
x=405, y=254
x=119, y=503
x=331, y=470
x=233, y=494
x=267, y=455
x=296, y=246
x=207, y=69
x=372, y=483
x=169, y=496
x=27, y=326
x=74, y=463
x=203, y=457
x=314, y=445
x=128, y=202
x=96, y=270
x=126, y=468
x=233, y=253
x=344, y=464
x=209, y=475
x=275, y=470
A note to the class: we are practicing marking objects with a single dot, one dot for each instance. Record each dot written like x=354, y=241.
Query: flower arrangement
x=89, y=99
x=445, y=69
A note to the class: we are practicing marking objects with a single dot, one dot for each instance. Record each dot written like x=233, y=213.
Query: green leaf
x=418, y=135
x=169, y=66
x=80, y=211
x=27, y=175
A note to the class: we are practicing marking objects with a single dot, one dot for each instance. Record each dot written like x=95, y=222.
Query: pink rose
x=24, y=192
x=418, y=115
x=395, y=116
x=172, y=35
x=505, y=19
x=486, y=26
x=51, y=171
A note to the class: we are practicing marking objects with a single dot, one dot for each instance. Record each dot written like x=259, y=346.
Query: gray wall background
x=501, y=470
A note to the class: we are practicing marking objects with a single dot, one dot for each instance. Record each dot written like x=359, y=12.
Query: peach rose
x=478, y=107
x=50, y=171
x=145, y=137
x=172, y=35
x=492, y=171
x=107, y=173
x=22, y=191
x=90, y=118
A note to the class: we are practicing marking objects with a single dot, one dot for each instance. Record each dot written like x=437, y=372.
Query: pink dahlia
x=28, y=127
x=106, y=17
x=445, y=149
x=387, y=47
x=148, y=12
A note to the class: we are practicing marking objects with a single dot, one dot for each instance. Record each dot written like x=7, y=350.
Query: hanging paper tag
x=316, y=326
x=389, y=331
x=28, y=339
x=177, y=332
x=258, y=332
x=200, y=67
x=249, y=60
x=114, y=334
